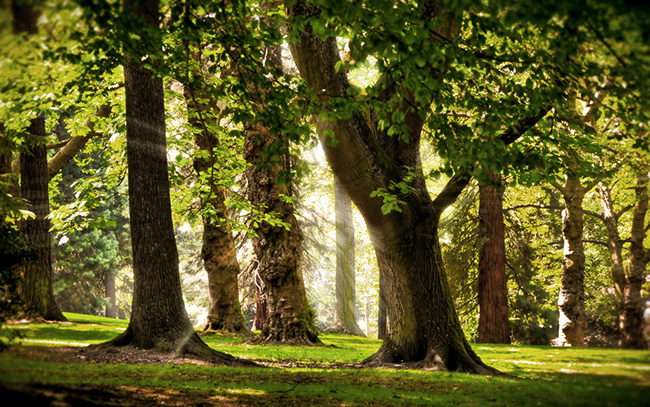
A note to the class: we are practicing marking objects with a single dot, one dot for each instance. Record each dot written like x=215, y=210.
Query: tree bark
x=36, y=288
x=383, y=324
x=345, y=317
x=218, y=250
x=493, y=324
x=571, y=302
x=290, y=318
x=639, y=258
x=36, y=291
x=159, y=321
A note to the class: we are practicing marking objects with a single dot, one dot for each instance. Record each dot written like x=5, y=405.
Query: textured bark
x=290, y=318
x=260, y=304
x=382, y=319
x=639, y=258
x=571, y=302
x=111, y=294
x=615, y=249
x=493, y=324
x=345, y=317
x=218, y=250
x=159, y=321
x=36, y=288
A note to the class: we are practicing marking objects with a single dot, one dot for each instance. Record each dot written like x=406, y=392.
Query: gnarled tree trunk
x=493, y=323
x=289, y=317
x=345, y=317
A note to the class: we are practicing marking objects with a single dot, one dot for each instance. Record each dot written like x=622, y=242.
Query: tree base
x=280, y=337
x=387, y=356
x=191, y=347
x=227, y=327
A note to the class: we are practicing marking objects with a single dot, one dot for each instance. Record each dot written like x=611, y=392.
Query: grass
x=542, y=376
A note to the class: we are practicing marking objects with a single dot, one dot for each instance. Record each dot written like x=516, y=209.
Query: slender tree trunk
x=159, y=321
x=493, y=324
x=36, y=288
x=345, y=317
x=571, y=302
x=218, y=251
x=615, y=249
x=639, y=258
x=111, y=294
x=36, y=292
x=290, y=318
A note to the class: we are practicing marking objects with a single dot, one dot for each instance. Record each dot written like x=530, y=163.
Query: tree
x=159, y=320
x=493, y=325
x=277, y=242
x=345, y=318
x=36, y=288
x=218, y=250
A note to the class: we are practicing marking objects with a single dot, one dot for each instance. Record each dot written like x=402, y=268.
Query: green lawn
x=542, y=376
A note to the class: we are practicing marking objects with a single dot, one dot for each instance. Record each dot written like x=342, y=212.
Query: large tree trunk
x=345, y=317
x=615, y=248
x=290, y=318
x=159, y=321
x=571, y=302
x=218, y=251
x=36, y=288
x=639, y=258
x=493, y=323
x=424, y=327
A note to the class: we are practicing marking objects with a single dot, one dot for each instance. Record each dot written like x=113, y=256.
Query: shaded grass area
x=545, y=376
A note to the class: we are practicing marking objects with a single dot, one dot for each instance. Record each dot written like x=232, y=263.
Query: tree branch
x=451, y=191
x=549, y=207
x=595, y=242
x=75, y=144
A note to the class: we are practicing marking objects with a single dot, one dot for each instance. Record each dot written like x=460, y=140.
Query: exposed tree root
x=189, y=346
x=226, y=327
x=387, y=356
x=278, y=337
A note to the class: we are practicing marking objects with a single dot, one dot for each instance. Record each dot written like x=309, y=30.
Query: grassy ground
x=542, y=376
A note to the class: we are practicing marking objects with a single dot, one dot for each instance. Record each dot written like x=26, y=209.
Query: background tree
x=345, y=318
x=493, y=324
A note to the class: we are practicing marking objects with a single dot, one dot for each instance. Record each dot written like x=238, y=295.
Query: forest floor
x=51, y=366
